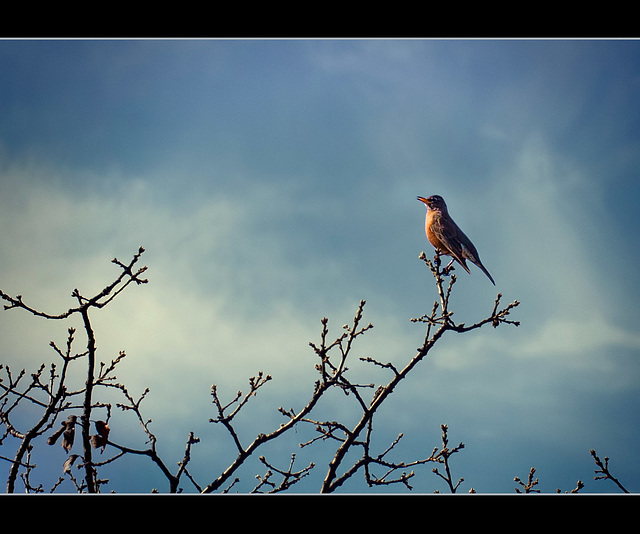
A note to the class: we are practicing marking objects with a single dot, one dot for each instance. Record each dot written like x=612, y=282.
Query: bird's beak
x=423, y=200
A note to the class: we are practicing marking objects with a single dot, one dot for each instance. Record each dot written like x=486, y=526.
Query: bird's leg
x=438, y=262
x=446, y=270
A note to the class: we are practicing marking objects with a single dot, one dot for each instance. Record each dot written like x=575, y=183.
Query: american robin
x=447, y=238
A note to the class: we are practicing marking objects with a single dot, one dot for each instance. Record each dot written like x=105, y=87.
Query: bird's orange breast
x=433, y=228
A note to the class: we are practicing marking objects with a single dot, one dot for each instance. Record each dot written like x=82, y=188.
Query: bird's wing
x=449, y=234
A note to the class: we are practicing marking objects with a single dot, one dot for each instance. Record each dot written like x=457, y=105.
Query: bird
x=447, y=238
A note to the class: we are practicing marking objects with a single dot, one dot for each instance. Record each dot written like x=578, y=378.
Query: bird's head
x=434, y=202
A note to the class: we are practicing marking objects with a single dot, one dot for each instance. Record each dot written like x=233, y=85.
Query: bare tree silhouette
x=354, y=449
x=58, y=398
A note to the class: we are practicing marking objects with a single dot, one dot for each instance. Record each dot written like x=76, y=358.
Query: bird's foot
x=446, y=270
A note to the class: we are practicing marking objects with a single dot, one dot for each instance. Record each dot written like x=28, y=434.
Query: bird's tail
x=485, y=272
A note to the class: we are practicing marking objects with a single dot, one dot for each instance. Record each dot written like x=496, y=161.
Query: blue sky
x=274, y=182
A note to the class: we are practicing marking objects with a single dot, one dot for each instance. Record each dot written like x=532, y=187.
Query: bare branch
x=442, y=456
x=604, y=470
x=98, y=301
x=530, y=484
x=289, y=477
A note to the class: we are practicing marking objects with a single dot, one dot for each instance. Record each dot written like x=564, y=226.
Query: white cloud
x=198, y=320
